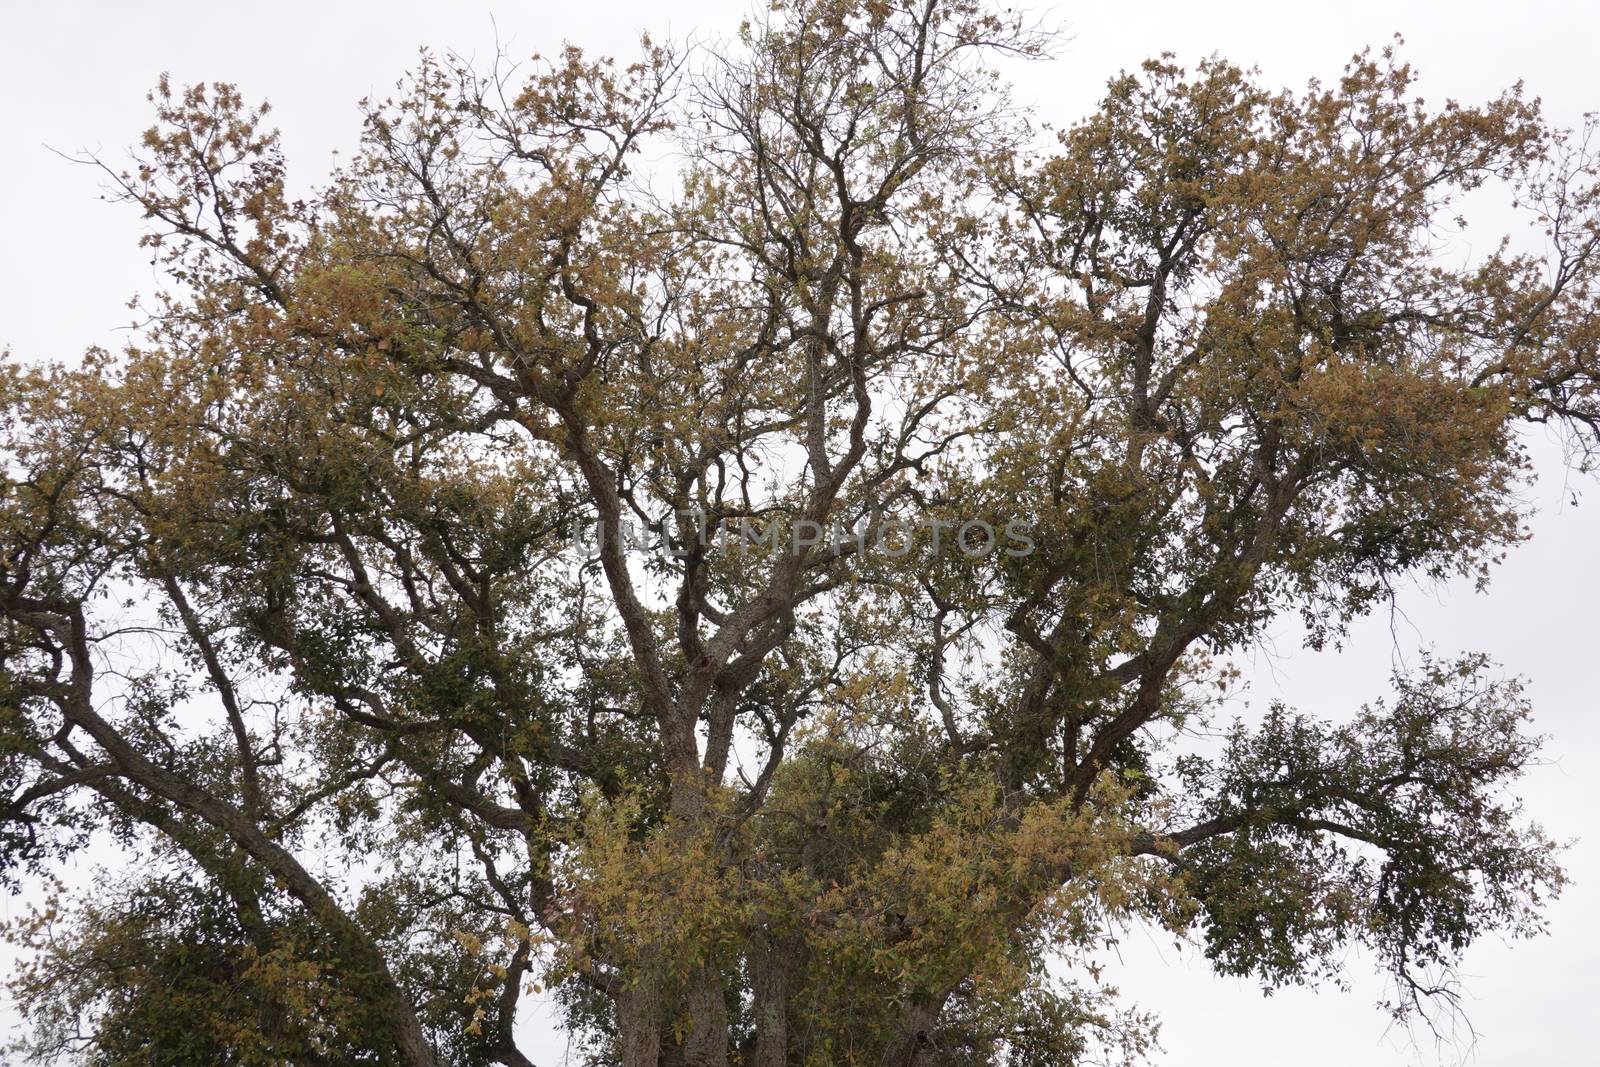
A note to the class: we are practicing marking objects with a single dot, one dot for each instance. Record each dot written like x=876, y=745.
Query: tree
x=770, y=613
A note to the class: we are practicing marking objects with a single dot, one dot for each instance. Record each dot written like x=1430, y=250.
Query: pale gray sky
x=73, y=75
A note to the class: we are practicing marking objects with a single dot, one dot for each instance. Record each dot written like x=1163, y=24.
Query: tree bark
x=769, y=990
x=912, y=1047
x=707, y=1042
x=639, y=1024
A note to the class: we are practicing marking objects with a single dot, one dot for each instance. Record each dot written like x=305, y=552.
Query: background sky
x=73, y=76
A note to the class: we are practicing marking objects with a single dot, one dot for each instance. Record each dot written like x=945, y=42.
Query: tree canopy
x=747, y=539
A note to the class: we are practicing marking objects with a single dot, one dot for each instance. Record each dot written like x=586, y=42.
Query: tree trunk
x=915, y=1042
x=639, y=1024
x=769, y=990
x=707, y=1042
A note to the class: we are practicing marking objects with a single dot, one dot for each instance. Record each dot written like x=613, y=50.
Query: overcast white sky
x=73, y=75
